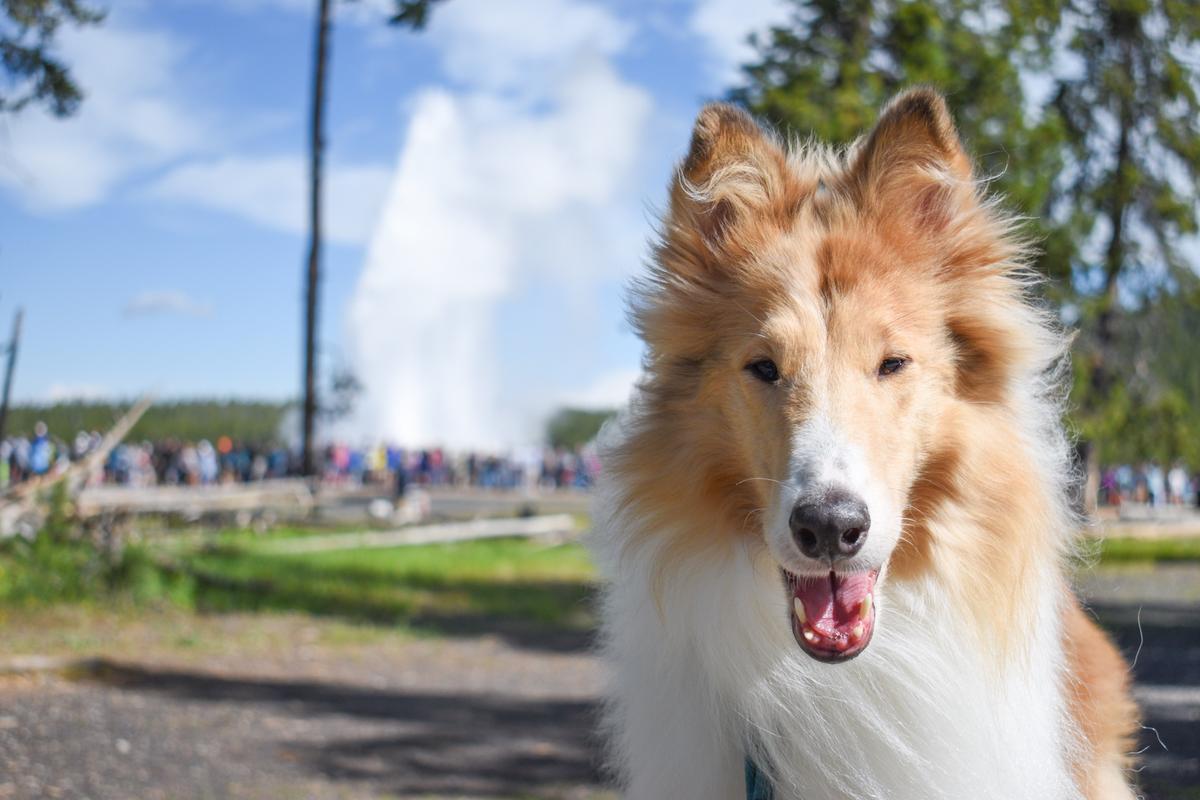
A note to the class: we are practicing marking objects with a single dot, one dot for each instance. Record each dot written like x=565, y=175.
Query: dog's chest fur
x=923, y=713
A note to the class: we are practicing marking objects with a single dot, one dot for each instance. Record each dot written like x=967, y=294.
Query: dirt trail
x=452, y=718
x=289, y=707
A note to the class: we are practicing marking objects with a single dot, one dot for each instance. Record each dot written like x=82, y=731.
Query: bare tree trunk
x=1114, y=257
x=13, y=346
x=316, y=146
x=1091, y=480
x=1103, y=378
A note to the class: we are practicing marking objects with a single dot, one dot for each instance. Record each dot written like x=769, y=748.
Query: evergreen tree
x=575, y=427
x=829, y=71
x=1104, y=158
x=1131, y=120
x=31, y=72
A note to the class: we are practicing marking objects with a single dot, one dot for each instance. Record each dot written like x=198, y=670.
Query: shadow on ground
x=420, y=744
x=1162, y=641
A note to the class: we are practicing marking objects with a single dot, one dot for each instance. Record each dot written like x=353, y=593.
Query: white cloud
x=725, y=27
x=503, y=45
x=168, y=301
x=131, y=119
x=496, y=183
x=273, y=192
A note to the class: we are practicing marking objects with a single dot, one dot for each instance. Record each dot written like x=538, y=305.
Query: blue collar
x=757, y=787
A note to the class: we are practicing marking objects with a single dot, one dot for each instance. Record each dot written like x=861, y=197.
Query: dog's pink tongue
x=832, y=602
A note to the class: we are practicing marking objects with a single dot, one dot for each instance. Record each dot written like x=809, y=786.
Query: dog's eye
x=891, y=365
x=765, y=370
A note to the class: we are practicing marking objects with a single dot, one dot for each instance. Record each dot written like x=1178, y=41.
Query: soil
x=282, y=706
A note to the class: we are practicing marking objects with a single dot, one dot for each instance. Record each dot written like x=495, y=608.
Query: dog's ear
x=733, y=183
x=912, y=169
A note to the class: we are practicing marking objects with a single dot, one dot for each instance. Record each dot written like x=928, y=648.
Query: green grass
x=491, y=585
x=50, y=571
x=1124, y=550
x=467, y=586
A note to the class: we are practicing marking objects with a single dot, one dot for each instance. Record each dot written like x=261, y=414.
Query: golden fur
x=826, y=262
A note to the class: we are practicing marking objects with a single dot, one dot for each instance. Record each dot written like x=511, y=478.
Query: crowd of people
x=1149, y=483
x=172, y=462
x=527, y=467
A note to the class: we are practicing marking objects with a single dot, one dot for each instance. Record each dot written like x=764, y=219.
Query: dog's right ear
x=733, y=184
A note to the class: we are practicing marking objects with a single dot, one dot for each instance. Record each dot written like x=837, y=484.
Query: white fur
x=824, y=458
x=705, y=671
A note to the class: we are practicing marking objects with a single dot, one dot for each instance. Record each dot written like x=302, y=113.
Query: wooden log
x=553, y=525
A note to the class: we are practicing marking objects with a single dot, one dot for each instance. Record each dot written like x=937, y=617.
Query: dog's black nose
x=832, y=527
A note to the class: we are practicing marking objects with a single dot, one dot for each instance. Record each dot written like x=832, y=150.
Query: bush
x=575, y=427
x=47, y=570
x=55, y=569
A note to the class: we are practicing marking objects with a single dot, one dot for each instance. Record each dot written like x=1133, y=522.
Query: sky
x=491, y=187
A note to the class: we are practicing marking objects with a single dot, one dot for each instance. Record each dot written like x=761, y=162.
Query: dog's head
x=813, y=319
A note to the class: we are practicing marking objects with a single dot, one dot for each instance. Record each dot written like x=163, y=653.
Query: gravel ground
x=451, y=718
x=292, y=712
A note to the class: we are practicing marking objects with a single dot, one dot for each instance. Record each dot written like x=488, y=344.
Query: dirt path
x=282, y=706
x=450, y=718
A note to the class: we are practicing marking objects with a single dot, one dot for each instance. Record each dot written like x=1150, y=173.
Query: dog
x=835, y=520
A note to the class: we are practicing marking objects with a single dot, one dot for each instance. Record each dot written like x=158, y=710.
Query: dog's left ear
x=912, y=169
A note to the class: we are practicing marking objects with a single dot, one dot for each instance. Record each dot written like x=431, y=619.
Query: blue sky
x=490, y=188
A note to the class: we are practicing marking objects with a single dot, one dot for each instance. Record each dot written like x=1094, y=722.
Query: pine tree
x=1103, y=157
x=1131, y=120
x=31, y=73
x=833, y=66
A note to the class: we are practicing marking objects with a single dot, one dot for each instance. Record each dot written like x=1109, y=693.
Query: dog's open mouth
x=833, y=615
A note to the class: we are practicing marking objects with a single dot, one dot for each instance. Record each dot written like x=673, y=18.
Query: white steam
x=489, y=179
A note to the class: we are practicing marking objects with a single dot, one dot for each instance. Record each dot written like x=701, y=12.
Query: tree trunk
x=1102, y=378
x=14, y=345
x=1114, y=256
x=312, y=284
x=1089, y=502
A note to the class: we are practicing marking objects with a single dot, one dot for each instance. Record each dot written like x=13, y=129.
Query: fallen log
x=192, y=501
x=553, y=525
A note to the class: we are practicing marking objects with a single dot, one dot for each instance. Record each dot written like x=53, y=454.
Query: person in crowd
x=41, y=450
x=1156, y=485
x=1178, y=482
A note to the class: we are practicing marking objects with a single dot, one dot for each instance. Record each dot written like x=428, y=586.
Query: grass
x=1125, y=550
x=51, y=570
x=467, y=586
x=171, y=632
x=503, y=585
x=471, y=587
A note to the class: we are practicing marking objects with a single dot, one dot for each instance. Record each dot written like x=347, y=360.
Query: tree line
x=255, y=422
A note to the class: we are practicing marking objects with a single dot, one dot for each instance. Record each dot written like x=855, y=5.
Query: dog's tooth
x=809, y=635
x=857, y=630
x=864, y=608
x=799, y=607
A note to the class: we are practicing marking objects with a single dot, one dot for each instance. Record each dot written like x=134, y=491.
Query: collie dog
x=835, y=520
